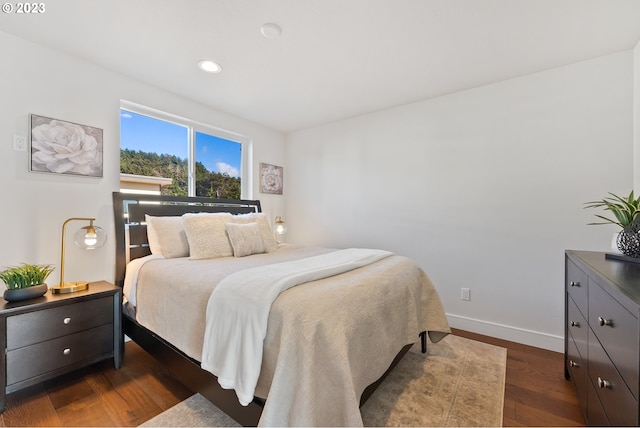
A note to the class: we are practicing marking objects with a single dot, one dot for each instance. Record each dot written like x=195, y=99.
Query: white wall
x=483, y=188
x=33, y=206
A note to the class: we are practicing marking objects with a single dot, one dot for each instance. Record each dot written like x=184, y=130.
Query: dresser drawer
x=576, y=285
x=577, y=369
x=595, y=413
x=617, y=330
x=44, y=357
x=578, y=327
x=39, y=326
x=616, y=399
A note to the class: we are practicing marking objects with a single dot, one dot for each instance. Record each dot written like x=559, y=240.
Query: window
x=222, y=156
x=165, y=154
x=151, y=147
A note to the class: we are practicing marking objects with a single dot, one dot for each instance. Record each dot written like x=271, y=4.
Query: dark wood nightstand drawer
x=39, y=326
x=44, y=357
x=612, y=391
x=35, y=334
x=617, y=331
x=576, y=285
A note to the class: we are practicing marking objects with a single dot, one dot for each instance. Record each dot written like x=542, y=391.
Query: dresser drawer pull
x=575, y=283
x=66, y=321
x=604, y=321
x=575, y=324
x=573, y=363
x=603, y=383
x=67, y=351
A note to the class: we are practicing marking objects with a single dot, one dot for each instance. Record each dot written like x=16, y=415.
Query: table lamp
x=88, y=237
x=281, y=227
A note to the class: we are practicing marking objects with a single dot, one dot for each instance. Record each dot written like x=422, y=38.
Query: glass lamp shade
x=281, y=227
x=90, y=237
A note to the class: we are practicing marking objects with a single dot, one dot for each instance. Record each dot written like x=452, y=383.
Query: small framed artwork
x=61, y=147
x=271, y=179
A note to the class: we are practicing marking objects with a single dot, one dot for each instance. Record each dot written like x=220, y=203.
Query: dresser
x=56, y=333
x=602, y=336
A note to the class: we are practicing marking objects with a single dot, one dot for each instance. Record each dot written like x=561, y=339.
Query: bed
x=328, y=342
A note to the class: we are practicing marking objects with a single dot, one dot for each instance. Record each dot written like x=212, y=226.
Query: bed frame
x=131, y=243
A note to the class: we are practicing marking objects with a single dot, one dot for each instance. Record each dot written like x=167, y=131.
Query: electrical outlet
x=20, y=143
x=465, y=294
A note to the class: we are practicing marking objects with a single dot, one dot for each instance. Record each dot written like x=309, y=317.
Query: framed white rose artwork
x=62, y=147
x=271, y=179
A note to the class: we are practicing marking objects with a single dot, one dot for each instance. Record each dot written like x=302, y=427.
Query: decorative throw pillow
x=245, y=239
x=166, y=236
x=269, y=241
x=207, y=235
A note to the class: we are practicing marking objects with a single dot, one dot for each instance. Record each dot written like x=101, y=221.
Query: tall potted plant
x=625, y=214
x=25, y=281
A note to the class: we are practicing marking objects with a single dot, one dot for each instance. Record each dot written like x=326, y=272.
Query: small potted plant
x=625, y=212
x=25, y=281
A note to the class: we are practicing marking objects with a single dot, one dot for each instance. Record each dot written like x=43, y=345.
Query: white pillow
x=166, y=236
x=269, y=241
x=207, y=235
x=245, y=239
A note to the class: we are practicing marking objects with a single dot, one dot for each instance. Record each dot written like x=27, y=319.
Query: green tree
x=210, y=184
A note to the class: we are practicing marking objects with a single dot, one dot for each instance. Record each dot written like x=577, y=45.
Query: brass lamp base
x=70, y=287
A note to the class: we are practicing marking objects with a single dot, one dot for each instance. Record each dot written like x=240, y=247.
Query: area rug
x=459, y=382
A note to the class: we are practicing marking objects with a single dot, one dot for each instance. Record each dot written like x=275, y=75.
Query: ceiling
x=335, y=58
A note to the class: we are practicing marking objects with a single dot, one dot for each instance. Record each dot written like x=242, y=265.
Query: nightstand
x=45, y=337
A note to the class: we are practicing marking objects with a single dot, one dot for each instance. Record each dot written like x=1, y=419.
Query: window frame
x=246, y=144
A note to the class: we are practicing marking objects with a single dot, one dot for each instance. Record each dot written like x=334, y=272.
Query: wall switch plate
x=465, y=294
x=20, y=143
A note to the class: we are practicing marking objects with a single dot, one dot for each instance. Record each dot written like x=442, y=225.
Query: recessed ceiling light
x=210, y=66
x=270, y=30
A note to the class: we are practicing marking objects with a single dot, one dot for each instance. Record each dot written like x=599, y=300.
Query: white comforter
x=238, y=312
x=326, y=340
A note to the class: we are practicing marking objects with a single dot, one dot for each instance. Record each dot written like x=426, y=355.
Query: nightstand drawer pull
x=575, y=324
x=603, y=383
x=575, y=283
x=573, y=364
x=604, y=321
x=67, y=351
x=67, y=320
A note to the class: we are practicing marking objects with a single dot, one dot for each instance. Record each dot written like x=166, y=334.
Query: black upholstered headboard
x=129, y=210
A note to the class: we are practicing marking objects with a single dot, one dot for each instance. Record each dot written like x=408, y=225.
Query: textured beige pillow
x=268, y=240
x=245, y=239
x=207, y=235
x=166, y=236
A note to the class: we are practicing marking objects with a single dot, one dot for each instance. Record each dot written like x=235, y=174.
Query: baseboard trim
x=507, y=332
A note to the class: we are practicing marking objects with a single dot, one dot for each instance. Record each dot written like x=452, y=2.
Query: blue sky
x=138, y=132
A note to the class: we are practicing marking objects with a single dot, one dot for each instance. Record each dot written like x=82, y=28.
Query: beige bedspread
x=326, y=340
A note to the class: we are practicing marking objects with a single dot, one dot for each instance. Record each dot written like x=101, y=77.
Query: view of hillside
x=210, y=184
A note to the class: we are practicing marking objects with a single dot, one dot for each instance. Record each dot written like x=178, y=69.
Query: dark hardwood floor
x=536, y=392
x=98, y=395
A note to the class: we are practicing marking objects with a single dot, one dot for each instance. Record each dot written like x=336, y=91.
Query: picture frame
x=62, y=147
x=271, y=179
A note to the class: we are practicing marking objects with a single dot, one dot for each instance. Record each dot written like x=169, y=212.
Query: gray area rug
x=459, y=382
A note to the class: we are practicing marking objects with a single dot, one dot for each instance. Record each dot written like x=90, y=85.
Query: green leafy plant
x=25, y=275
x=624, y=210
